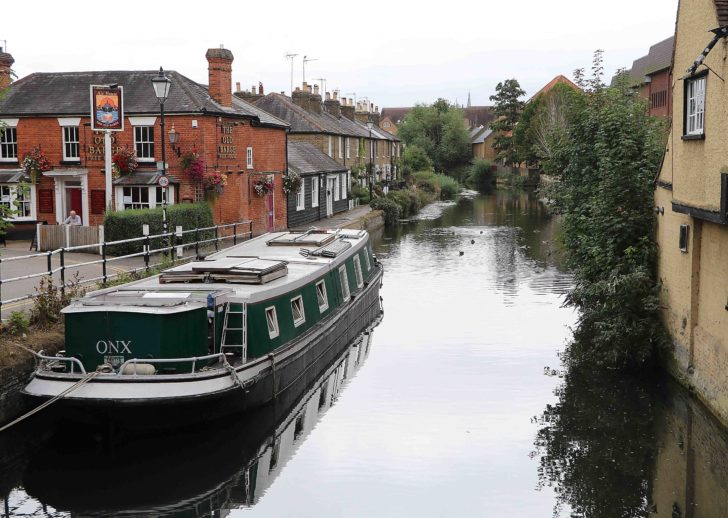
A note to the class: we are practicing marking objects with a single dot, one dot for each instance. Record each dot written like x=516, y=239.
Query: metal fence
x=172, y=249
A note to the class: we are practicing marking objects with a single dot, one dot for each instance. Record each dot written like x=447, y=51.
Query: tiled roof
x=721, y=8
x=479, y=115
x=480, y=137
x=395, y=114
x=143, y=178
x=303, y=121
x=559, y=79
x=67, y=93
x=658, y=58
x=305, y=158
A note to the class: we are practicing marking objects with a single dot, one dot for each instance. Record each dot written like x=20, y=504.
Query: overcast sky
x=394, y=53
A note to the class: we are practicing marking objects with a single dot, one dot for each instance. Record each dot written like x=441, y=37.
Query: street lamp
x=370, y=125
x=161, y=86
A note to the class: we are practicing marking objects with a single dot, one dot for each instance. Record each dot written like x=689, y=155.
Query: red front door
x=73, y=196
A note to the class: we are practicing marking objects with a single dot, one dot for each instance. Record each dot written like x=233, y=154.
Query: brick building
x=334, y=127
x=51, y=111
x=652, y=76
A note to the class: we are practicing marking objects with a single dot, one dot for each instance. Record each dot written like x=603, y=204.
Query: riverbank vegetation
x=604, y=149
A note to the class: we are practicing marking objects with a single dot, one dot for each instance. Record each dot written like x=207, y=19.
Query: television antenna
x=290, y=56
x=306, y=59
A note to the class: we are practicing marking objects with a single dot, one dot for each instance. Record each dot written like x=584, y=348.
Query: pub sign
x=107, y=108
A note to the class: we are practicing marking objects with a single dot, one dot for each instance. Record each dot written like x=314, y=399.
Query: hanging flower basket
x=263, y=187
x=214, y=183
x=193, y=165
x=34, y=162
x=292, y=182
x=124, y=162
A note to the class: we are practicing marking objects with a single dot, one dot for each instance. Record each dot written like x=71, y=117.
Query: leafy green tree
x=414, y=159
x=439, y=130
x=507, y=107
x=524, y=134
x=605, y=158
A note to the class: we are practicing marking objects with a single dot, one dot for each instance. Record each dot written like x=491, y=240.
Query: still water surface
x=456, y=405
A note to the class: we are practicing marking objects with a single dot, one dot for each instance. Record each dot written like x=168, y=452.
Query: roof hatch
x=239, y=270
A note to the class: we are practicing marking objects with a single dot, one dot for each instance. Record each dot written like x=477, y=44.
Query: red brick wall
x=269, y=155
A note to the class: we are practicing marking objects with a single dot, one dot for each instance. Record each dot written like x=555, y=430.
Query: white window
x=71, y=146
x=144, y=143
x=695, y=106
x=142, y=196
x=321, y=296
x=365, y=252
x=8, y=145
x=357, y=272
x=344, y=280
x=348, y=148
x=301, y=196
x=337, y=188
x=249, y=158
x=18, y=199
x=315, y=194
x=341, y=146
x=358, y=145
x=343, y=188
x=271, y=318
x=331, y=145
x=299, y=315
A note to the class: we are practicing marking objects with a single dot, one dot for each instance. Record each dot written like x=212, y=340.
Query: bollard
x=147, y=244
x=235, y=234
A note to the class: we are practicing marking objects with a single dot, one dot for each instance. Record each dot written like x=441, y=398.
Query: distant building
x=474, y=117
x=652, y=75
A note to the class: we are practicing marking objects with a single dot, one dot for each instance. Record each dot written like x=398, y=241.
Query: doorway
x=74, y=202
x=330, y=186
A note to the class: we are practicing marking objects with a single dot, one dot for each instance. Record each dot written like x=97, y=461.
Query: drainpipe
x=288, y=221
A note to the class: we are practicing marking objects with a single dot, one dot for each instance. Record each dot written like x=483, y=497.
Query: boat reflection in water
x=225, y=466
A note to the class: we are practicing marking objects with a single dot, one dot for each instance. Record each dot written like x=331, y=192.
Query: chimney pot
x=343, y=101
x=336, y=95
x=328, y=96
x=305, y=86
x=316, y=89
x=237, y=86
x=260, y=88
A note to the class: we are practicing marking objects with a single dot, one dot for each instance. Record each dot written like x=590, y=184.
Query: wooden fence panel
x=53, y=237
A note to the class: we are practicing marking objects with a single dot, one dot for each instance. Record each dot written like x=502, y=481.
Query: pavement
x=339, y=220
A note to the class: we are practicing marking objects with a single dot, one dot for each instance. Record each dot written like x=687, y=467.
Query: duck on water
x=212, y=337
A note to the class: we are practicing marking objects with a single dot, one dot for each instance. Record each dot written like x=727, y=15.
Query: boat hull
x=171, y=401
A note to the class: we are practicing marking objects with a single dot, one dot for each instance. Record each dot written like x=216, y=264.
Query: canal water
x=455, y=405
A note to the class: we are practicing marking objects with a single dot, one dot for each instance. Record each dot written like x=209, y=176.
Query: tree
x=414, y=160
x=439, y=131
x=507, y=107
x=605, y=158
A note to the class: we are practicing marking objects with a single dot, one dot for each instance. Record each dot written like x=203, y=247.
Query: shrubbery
x=441, y=185
x=391, y=210
x=410, y=201
x=128, y=224
x=480, y=177
x=360, y=193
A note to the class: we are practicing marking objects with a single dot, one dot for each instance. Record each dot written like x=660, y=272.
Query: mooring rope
x=37, y=409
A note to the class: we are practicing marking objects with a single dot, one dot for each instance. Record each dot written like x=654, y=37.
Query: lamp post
x=370, y=125
x=161, y=86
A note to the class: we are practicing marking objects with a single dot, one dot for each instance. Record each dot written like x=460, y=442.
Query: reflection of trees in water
x=597, y=446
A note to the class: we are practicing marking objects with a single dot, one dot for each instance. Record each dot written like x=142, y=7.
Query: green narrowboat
x=221, y=335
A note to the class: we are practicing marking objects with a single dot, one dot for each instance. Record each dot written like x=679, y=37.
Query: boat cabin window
x=365, y=252
x=272, y=319
x=323, y=299
x=299, y=316
x=357, y=272
x=344, y=279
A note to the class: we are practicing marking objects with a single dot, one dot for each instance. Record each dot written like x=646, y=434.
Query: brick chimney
x=251, y=95
x=219, y=68
x=347, y=109
x=260, y=88
x=6, y=61
x=315, y=105
x=332, y=106
x=302, y=98
x=362, y=112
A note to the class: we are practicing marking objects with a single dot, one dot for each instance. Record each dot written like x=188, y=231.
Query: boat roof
x=262, y=268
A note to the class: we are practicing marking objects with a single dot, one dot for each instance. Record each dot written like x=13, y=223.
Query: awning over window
x=143, y=178
x=13, y=176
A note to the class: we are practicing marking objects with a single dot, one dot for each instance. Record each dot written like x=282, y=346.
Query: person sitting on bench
x=72, y=219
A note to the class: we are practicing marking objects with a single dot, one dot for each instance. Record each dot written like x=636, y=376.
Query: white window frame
x=366, y=259
x=344, y=283
x=249, y=157
x=695, y=106
x=140, y=143
x=272, y=323
x=11, y=197
x=321, y=294
x=331, y=146
x=67, y=142
x=343, y=189
x=337, y=188
x=8, y=145
x=358, y=273
x=315, y=192
x=151, y=196
x=358, y=145
x=348, y=148
x=341, y=146
x=297, y=305
x=301, y=196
